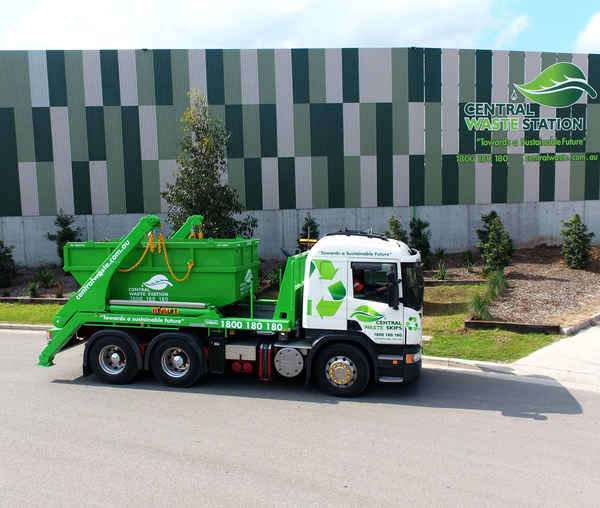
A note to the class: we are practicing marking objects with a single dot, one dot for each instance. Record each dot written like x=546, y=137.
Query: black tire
x=170, y=350
x=119, y=371
x=349, y=359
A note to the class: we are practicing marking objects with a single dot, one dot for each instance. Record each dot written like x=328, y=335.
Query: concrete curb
x=572, y=330
x=502, y=368
x=17, y=326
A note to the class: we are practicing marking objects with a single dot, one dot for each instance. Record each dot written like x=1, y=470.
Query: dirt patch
x=25, y=276
x=542, y=288
x=455, y=265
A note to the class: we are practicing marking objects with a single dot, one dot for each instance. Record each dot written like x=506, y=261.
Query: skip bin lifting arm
x=91, y=296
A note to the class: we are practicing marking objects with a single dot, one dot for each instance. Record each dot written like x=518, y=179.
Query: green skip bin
x=204, y=270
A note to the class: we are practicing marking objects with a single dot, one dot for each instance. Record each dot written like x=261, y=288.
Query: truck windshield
x=412, y=285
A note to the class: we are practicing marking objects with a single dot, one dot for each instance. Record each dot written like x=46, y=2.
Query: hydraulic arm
x=91, y=296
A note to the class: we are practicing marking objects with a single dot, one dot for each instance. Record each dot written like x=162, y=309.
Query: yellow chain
x=190, y=264
x=162, y=248
x=149, y=246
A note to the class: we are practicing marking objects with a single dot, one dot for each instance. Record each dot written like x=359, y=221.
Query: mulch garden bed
x=25, y=276
x=542, y=289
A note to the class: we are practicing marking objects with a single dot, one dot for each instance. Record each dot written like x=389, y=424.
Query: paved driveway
x=574, y=360
x=453, y=439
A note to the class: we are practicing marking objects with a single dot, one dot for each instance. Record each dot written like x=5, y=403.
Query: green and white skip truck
x=348, y=313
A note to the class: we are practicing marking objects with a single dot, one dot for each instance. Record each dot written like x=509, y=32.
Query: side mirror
x=393, y=291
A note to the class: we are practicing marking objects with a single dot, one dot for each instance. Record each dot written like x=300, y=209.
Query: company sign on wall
x=559, y=86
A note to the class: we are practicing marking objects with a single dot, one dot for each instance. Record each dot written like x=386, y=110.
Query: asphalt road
x=453, y=439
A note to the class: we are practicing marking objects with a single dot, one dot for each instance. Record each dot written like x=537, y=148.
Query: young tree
x=199, y=187
x=310, y=228
x=483, y=234
x=576, y=244
x=419, y=239
x=496, y=251
x=7, y=265
x=65, y=233
x=396, y=231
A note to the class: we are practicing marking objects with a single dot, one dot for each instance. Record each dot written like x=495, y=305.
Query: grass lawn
x=31, y=314
x=446, y=308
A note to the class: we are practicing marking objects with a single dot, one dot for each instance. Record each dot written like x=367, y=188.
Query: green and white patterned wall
x=97, y=131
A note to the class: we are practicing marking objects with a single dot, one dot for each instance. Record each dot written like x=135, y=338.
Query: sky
x=551, y=25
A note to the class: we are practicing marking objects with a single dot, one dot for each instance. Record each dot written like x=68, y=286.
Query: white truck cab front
x=368, y=283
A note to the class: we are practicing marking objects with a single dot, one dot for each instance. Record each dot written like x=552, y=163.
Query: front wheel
x=343, y=370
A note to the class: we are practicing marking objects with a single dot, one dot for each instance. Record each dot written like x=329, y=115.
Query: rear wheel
x=113, y=360
x=176, y=362
x=343, y=370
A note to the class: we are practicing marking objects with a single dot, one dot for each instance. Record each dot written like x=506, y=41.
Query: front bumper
x=398, y=367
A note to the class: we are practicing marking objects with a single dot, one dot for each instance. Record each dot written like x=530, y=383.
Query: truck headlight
x=412, y=357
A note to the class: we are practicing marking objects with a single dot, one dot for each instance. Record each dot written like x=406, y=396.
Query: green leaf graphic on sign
x=326, y=268
x=312, y=268
x=328, y=309
x=366, y=314
x=558, y=86
x=337, y=291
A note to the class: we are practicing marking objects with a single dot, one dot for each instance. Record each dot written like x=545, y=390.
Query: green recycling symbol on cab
x=412, y=324
x=328, y=308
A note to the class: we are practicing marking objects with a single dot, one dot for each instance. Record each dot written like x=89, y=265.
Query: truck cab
x=366, y=291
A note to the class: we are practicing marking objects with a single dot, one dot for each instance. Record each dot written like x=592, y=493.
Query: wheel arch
x=355, y=339
x=110, y=332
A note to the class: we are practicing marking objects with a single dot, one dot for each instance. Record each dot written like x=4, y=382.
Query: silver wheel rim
x=175, y=362
x=112, y=359
x=341, y=371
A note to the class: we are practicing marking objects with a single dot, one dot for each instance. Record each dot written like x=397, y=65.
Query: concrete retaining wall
x=453, y=228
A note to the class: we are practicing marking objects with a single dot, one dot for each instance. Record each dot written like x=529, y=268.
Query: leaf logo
x=157, y=283
x=558, y=86
x=366, y=314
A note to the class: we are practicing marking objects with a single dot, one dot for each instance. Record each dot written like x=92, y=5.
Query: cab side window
x=369, y=280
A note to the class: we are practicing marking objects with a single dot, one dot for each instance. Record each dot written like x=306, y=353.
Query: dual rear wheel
x=175, y=360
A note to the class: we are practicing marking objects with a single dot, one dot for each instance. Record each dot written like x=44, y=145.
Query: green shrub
x=273, y=278
x=43, y=277
x=440, y=254
x=33, y=290
x=483, y=234
x=419, y=239
x=396, y=231
x=442, y=273
x=8, y=269
x=576, y=244
x=65, y=233
x=496, y=284
x=468, y=260
x=480, y=306
x=497, y=249
x=310, y=228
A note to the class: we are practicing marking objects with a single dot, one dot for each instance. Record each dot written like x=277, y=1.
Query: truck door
x=412, y=290
x=370, y=301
